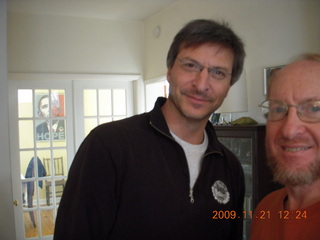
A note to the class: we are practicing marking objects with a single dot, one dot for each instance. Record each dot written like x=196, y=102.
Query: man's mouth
x=296, y=149
x=197, y=98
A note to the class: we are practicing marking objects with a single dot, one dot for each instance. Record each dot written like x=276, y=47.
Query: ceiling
x=138, y=10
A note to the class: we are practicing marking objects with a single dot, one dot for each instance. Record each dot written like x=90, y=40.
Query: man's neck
x=189, y=130
x=302, y=196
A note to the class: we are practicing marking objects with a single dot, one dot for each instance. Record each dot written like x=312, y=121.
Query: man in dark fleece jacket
x=164, y=174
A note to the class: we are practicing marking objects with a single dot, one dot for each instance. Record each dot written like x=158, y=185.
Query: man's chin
x=294, y=177
x=192, y=112
x=196, y=116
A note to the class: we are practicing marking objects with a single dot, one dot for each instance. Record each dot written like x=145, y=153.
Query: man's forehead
x=303, y=69
x=299, y=80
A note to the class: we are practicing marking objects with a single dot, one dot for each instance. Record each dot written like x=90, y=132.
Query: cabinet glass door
x=242, y=148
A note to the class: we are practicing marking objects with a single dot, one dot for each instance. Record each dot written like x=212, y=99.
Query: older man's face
x=293, y=145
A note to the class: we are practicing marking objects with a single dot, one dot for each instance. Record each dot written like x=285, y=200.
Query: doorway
x=47, y=119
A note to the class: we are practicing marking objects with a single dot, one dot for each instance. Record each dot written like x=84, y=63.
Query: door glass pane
x=26, y=140
x=42, y=132
x=41, y=104
x=60, y=163
x=59, y=188
x=58, y=103
x=89, y=124
x=105, y=102
x=25, y=161
x=31, y=191
x=59, y=133
x=119, y=102
x=25, y=103
x=49, y=187
x=90, y=102
x=47, y=222
x=58, y=129
x=31, y=224
x=61, y=153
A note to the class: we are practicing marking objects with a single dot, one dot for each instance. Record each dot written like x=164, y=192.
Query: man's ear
x=169, y=75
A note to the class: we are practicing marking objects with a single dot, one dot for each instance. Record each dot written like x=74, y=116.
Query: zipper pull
x=191, y=196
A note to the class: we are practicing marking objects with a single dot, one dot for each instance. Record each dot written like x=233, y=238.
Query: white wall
x=76, y=45
x=66, y=44
x=7, y=225
x=273, y=31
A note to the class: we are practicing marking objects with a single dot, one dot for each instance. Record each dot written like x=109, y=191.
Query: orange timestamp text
x=260, y=215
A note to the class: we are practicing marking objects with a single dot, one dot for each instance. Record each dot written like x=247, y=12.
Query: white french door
x=46, y=119
x=100, y=102
x=41, y=147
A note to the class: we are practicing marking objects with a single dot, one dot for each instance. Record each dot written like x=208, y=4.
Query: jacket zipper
x=191, y=197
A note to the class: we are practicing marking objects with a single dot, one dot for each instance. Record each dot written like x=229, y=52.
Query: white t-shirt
x=194, y=154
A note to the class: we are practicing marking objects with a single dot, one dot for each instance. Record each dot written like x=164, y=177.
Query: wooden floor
x=47, y=223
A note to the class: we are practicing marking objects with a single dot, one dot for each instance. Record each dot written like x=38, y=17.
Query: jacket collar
x=157, y=119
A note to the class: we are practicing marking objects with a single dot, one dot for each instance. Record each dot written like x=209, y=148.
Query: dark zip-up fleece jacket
x=130, y=180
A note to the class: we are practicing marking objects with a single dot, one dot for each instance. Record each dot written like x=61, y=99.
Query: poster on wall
x=49, y=111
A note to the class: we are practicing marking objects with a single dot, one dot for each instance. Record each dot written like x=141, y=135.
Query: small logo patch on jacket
x=220, y=192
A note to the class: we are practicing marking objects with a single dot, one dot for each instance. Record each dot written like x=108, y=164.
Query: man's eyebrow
x=202, y=65
x=190, y=59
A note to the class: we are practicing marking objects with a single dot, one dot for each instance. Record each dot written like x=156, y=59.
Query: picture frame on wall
x=267, y=74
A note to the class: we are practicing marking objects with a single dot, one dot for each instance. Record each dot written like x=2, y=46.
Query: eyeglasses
x=308, y=111
x=214, y=72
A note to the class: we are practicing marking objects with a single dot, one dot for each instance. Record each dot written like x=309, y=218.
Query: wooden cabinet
x=248, y=144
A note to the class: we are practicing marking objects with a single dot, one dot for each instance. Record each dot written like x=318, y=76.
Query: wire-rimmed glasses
x=214, y=72
x=308, y=111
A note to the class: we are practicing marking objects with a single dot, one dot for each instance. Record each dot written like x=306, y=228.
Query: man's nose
x=292, y=124
x=201, y=80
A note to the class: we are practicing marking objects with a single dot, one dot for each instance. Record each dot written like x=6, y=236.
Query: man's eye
x=311, y=108
x=217, y=72
x=277, y=109
x=314, y=108
x=190, y=65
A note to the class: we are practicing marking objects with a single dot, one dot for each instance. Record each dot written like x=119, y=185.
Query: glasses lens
x=217, y=73
x=189, y=66
x=265, y=109
x=273, y=110
x=310, y=111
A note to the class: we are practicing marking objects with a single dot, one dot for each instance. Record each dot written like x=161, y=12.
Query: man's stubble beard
x=299, y=176
x=178, y=104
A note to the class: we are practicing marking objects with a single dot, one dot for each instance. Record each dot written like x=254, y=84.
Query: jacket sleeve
x=88, y=206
